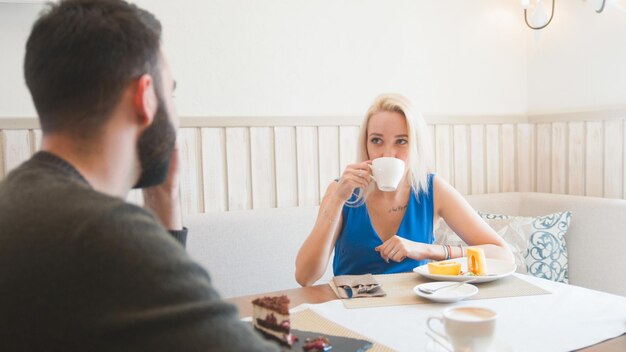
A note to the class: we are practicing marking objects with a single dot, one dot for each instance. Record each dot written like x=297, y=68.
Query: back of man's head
x=80, y=56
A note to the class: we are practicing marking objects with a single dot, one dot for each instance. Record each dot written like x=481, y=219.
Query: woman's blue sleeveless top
x=354, y=249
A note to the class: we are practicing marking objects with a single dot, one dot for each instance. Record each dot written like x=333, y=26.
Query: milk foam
x=469, y=314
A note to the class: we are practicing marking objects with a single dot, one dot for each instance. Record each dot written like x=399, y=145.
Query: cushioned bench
x=254, y=251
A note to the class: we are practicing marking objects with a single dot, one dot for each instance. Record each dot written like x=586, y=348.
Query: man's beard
x=156, y=145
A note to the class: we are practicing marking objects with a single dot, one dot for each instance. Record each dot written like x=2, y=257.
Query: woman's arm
x=315, y=252
x=464, y=221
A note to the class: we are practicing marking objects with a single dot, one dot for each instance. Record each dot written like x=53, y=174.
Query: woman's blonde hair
x=420, y=148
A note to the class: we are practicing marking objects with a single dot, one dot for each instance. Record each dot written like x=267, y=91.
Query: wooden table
x=323, y=293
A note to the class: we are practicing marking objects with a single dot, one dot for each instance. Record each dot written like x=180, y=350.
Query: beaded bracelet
x=447, y=249
x=446, y=252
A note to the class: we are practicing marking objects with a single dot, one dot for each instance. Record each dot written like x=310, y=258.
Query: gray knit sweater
x=82, y=271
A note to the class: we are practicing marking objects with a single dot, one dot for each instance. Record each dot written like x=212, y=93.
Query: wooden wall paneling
x=36, y=140
x=228, y=168
x=509, y=179
x=2, y=154
x=135, y=196
x=443, y=152
x=461, y=158
x=348, y=139
x=525, y=146
x=263, y=169
x=594, y=159
x=16, y=147
x=308, y=166
x=492, y=145
x=613, y=158
x=477, y=163
x=576, y=159
x=328, y=156
x=544, y=157
x=433, y=146
x=559, y=158
x=191, y=192
x=215, y=174
x=238, y=168
x=286, y=171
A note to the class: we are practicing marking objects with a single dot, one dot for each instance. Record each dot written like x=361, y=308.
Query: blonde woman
x=379, y=232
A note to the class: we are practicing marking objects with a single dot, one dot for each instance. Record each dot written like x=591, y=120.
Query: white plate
x=446, y=295
x=496, y=269
x=496, y=346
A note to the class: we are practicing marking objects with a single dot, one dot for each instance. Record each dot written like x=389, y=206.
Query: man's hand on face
x=164, y=199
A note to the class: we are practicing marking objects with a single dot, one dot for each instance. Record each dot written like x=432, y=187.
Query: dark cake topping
x=271, y=323
x=318, y=344
x=278, y=304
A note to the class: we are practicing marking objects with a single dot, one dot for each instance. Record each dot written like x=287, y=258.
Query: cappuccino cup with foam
x=467, y=328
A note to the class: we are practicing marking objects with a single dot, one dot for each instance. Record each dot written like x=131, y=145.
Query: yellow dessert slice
x=444, y=268
x=476, y=262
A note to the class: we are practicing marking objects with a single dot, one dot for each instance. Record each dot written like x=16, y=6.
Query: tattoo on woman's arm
x=327, y=216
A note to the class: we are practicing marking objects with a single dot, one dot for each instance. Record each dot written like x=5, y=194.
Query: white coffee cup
x=387, y=172
x=468, y=329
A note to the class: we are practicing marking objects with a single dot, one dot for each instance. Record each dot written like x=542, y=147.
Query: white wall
x=15, y=23
x=579, y=61
x=323, y=57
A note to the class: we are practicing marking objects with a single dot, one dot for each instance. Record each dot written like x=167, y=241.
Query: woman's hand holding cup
x=356, y=175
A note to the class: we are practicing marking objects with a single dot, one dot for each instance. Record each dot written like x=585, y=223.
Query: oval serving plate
x=496, y=269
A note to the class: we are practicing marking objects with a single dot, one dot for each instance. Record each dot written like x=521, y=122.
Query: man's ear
x=145, y=101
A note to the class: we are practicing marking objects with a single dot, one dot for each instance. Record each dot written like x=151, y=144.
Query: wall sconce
x=526, y=4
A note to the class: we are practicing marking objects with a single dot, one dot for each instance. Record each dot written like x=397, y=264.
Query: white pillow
x=538, y=243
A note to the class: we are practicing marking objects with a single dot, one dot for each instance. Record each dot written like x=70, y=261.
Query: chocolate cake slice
x=270, y=315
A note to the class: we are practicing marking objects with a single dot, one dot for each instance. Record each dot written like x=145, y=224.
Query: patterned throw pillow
x=538, y=243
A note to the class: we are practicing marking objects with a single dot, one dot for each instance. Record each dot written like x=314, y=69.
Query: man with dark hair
x=80, y=269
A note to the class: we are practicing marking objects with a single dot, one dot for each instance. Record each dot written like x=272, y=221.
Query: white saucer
x=496, y=346
x=446, y=295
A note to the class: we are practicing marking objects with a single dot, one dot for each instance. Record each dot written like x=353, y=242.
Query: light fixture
x=601, y=7
x=526, y=4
